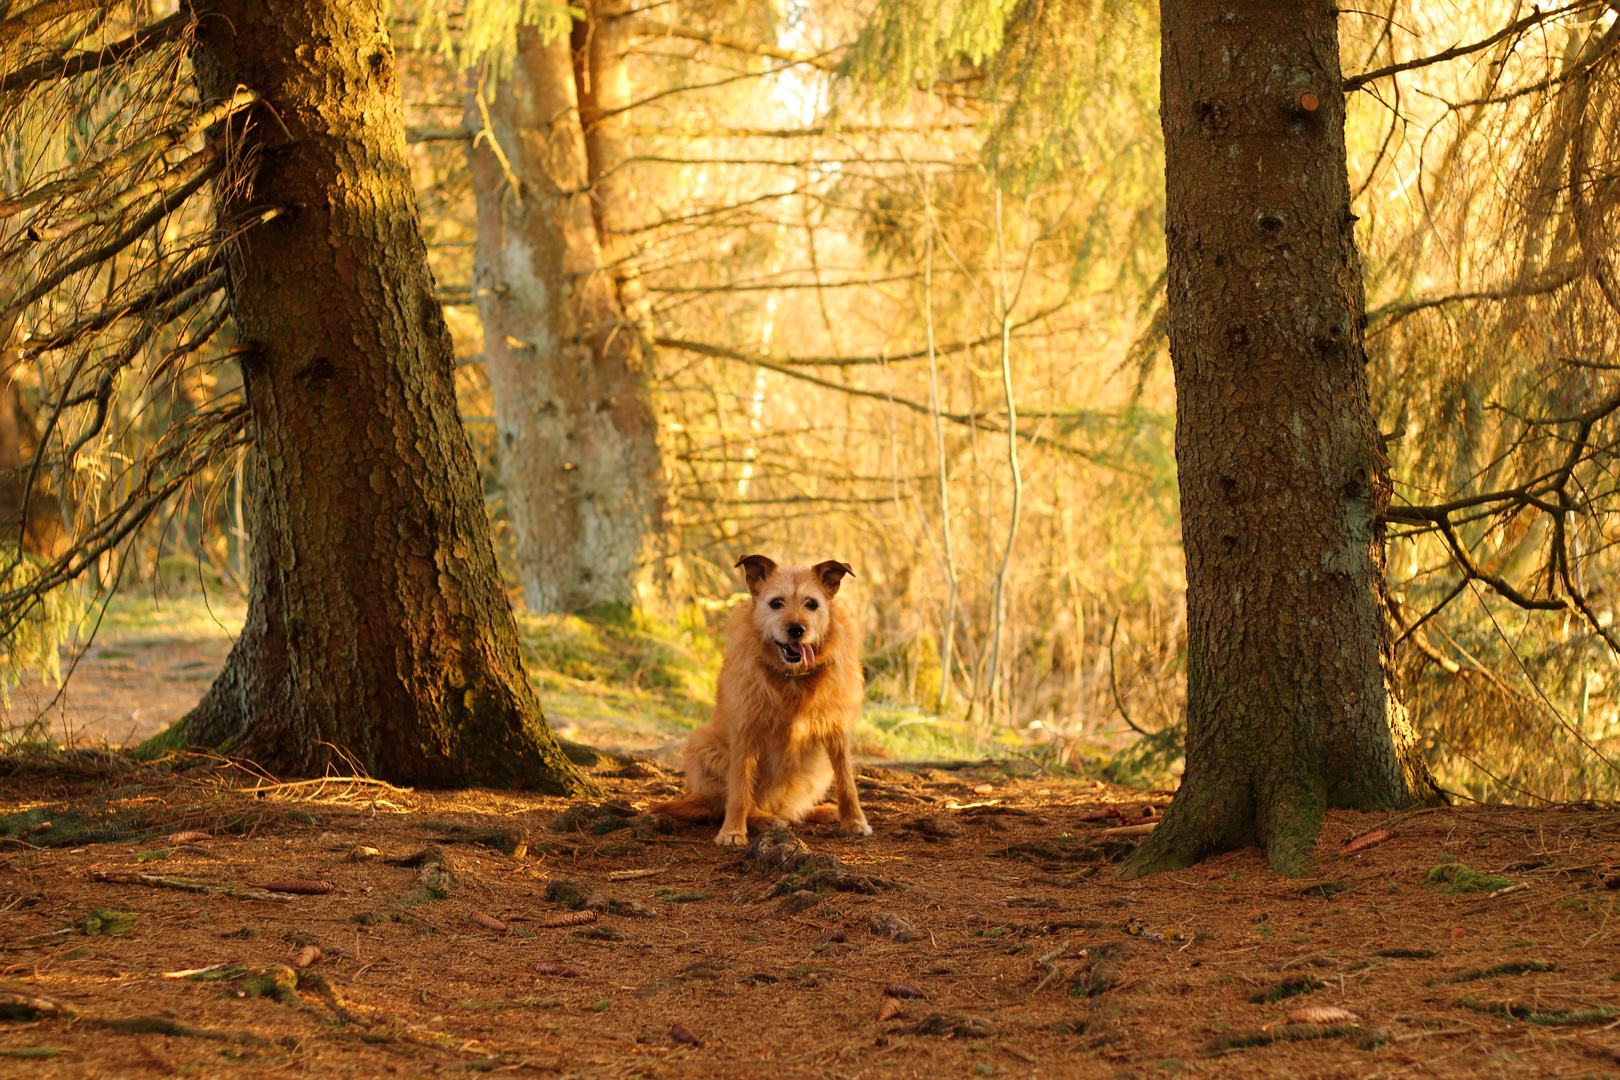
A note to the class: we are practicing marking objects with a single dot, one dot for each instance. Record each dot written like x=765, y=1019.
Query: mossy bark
x=1283, y=475
x=378, y=628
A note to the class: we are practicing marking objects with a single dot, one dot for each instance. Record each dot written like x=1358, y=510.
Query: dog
x=790, y=691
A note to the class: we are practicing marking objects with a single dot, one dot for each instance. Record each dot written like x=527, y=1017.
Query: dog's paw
x=858, y=827
x=732, y=838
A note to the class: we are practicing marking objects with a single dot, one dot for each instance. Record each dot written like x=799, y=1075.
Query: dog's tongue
x=809, y=655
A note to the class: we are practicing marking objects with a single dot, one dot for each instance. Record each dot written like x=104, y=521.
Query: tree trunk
x=378, y=630
x=1290, y=707
x=601, y=45
x=30, y=516
x=577, y=437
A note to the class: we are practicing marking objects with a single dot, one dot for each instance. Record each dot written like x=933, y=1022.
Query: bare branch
x=1551, y=281
x=651, y=28
x=830, y=131
x=1431, y=613
x=211, y=436
x=964, y=419
x=32, y=18
x=1502, y=588
x=723, y=353
x=140, y=42
x=132, y=232
x=1535, y=18
x=1602, y=53
x=168, y=290
x=773, y=286
x=415, y=136
x=712, y=211
x=85, y=176
x=728, y=80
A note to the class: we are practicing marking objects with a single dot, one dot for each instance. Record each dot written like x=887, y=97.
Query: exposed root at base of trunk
x=1204, y=823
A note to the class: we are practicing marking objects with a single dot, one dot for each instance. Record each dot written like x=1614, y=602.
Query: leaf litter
x=606, y=965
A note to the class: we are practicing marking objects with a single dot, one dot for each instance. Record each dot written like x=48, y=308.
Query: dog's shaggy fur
x=790, y=691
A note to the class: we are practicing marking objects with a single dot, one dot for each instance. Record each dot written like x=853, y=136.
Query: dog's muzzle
x=798, y=652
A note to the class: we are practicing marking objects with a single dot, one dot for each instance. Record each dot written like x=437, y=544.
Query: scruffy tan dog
x=790, y=691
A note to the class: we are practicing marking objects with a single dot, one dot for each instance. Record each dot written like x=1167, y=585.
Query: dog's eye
x=776, y=604
x=811, y=604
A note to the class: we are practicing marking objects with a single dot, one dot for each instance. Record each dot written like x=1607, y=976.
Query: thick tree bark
x=378, y=627
x=1283, y=475
x=577, y=436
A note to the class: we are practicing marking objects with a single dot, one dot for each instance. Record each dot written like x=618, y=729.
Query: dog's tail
x=690, y=807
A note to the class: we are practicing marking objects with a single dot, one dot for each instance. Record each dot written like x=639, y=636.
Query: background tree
x=578, y=443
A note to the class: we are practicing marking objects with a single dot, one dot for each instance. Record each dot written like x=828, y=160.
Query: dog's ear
x=831, y=574
x=756, y=568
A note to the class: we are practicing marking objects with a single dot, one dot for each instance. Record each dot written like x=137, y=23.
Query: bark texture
x=601, y=44
x=1283, y=475
x=378, y=627
x=578, y=439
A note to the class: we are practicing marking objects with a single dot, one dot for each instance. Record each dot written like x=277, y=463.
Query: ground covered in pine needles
x=204, y=922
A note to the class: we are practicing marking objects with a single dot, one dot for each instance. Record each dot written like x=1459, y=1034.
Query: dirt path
x=148, y=662
x=1030, y=959
x=125, y=692
x=151, y=661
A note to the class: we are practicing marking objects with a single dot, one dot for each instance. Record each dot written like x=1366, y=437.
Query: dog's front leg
x=851, y=818
x=740, y=779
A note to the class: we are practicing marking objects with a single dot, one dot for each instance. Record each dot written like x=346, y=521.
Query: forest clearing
x=466, y=463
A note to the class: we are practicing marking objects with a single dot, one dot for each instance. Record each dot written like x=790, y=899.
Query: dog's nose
x=795, y=630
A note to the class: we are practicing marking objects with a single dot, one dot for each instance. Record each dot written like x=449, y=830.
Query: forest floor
x=980, y=932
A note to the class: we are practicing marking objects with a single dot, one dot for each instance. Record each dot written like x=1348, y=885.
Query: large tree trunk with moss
x=378, y=629
x=1290, y=705
x=577, y=437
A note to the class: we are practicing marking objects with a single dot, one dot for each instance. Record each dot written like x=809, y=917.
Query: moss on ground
x=1454, y=877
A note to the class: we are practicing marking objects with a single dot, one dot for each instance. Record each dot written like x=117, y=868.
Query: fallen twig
x=158, y=881
x=1131, y=830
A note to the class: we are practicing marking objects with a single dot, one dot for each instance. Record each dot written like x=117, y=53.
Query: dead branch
x=1513, y=29
x=852, y=283
x=201, y=441
x=32, y=18
x=86, y=176
x=135, y=45
x=159, y=881
x=164, y=205
x=963, y=419
x=710, y=212
x=1602, y=53
x=794, y=133
x=161, y=295
x=651, y=28
x=415, y=135
x=1551, y=281
x=720, y=352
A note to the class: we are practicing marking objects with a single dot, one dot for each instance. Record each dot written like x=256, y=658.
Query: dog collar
x=823, y=666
